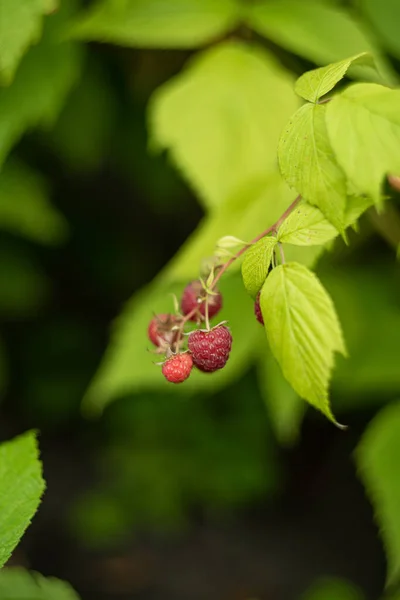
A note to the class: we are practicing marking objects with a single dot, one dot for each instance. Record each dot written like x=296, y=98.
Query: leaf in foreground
x=18, y=584
x=378, y=459
x=256, y=263
x=303, y=331
x=21, y=488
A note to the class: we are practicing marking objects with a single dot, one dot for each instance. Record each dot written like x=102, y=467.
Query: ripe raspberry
x=257, y=310
x=210, y=349
x=177, y=368
x=159, y=330
x=192, y=292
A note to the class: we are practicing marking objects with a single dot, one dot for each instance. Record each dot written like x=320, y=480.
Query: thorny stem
x=272, y=229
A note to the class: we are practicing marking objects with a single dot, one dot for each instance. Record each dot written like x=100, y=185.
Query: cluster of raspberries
x=207, y=349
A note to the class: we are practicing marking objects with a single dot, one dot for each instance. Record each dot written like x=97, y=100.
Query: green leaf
x=21, y=26
x=37, y=93
x=306, y=226
x=127, y=367
x=363, y=125
x=285, y=408
x=21, y=488
x=314, y=84
x=385, y=17
x=18, y=584
x=256, y=263
x=333, y=589
x=308, y=163
x=317, y=31
x=155, y=24
x=303, y=331
x=25, y=208
x=221, y=119
x=377, y=458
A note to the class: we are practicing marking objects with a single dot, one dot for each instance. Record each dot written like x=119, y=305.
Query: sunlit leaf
x=24, y=205
x=308, y=163
x=363, y=125
x=377, y=457
x=303, y=331
x=155, y=24
x=317, y=31
x=256, y=264
x=314, y=84
x=306, y=226
x=221, y=119
x=16, y=584
x=21, y=488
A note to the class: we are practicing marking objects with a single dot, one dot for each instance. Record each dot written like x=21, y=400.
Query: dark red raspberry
x=177, y=368
x=192, y=293
x=210, y=349
x=257, y=310
x=159, y=330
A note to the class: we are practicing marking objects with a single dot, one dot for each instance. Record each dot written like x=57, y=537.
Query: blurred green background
x=225, y=488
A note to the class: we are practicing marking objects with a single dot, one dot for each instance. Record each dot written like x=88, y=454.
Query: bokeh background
x=220, y=491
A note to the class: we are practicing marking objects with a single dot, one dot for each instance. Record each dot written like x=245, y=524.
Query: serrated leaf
x=21, y=26
x=363, y=124
x=303, y=331
x=308, y=163
x=285, y=408
x=221, y=119
x=18, y=584
x=256, y=263
x=155, y=24
x=333, y=589
x=377, y=457
x=385, y=17
x=24, y=205
x=306, y=226
x=44, y=77
x=317, y=31
x=315, y=84
x=21, y=488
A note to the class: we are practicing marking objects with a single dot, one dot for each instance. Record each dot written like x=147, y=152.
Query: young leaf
x=377, y=457
x=308, y=164
x=333, y=589
x=306, y=226
x=21, y=488
x=285, y=408
x=256, y=263
x=154, y=24
x=314, y=84
x=363, y=125
x=25, y=208
x=16, y=584
x=221, y=119
x=21, y=24
x=44, y=77
x=303, y=331
x=317, y=31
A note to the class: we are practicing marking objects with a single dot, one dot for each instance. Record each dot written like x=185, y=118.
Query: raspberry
x=257, y=310
x=192, y=293
x=177, y=368
x=159, y=330
x=210, y=349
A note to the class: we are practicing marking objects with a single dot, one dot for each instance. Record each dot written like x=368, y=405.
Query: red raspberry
x=177, y=368
x=159, y=330
x=257, y=310
x=210, y=349
x=192, y=293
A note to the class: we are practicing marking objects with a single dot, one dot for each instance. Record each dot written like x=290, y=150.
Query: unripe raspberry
x=177, y=368
x=160, y=329
x=257, y=310
x=210, y=349
x=192, y=293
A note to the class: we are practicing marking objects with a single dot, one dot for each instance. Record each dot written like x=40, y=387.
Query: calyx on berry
x=192, y=297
